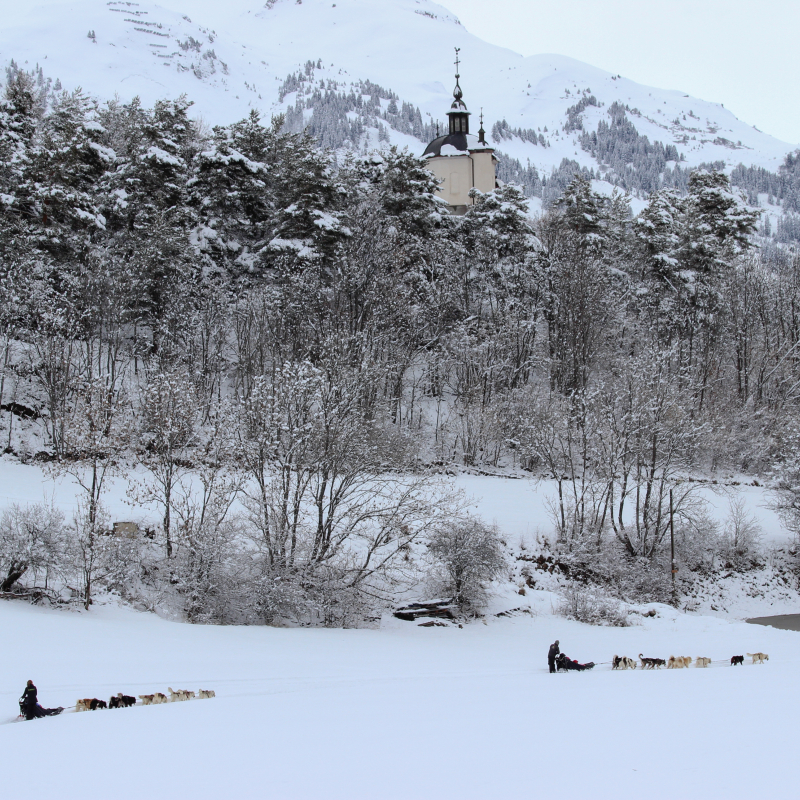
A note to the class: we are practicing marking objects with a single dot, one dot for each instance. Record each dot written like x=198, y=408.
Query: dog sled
x=28, y=712
x=566, y=664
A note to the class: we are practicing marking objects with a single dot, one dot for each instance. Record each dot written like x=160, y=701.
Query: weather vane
x=458, y=50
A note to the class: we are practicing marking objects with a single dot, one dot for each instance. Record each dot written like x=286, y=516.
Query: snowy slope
x=519, y=507
x=234, y=56
x=403, y=712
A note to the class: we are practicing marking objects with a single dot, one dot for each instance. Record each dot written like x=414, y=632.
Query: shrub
x=583, y=605
x=467, y=555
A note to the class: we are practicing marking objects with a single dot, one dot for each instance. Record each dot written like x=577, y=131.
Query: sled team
x=679, y=662
x=126, y=701
x=30, y=709
x=558, y=662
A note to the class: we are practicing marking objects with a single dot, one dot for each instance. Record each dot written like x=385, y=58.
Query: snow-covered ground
x=403, y=711
x=400, y=712
x=517, y=504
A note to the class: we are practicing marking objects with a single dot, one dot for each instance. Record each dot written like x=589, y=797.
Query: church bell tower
x=459, y=159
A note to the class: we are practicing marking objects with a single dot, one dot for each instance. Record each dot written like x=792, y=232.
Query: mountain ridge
x=228, y=62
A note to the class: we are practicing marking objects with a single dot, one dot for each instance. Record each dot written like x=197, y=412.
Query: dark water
x=786, y=622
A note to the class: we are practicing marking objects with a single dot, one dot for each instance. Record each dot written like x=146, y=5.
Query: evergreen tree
x=718, y=223
x=659, y=230
x=228, y=191
x=308, y=196
x=61, y=183
x=582, y=209
x=153, y=179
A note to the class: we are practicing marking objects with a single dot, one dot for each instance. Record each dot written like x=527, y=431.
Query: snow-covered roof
x=455, y=144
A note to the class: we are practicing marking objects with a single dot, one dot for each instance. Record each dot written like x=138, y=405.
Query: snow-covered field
x=401, y=712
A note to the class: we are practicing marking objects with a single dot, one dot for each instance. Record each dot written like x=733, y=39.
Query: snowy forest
x=283, y=349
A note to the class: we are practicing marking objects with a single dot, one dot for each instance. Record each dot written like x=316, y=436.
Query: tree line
x=281, y=350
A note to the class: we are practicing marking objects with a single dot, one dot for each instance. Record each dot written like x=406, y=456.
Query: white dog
x=758, y=658
x=701, y=661
x=679, y=662
x=205, y=694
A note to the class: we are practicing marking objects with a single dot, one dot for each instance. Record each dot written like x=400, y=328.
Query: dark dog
x=125, y=700
x=95, y=704
x=651, y=663
x=737, y=660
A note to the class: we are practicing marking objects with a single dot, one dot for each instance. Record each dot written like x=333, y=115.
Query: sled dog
x=758, y=658
x=158, y=697
x=179, y=694
x=147, y=699
x=205, y=694
x=737, y=660
x=679, y=662
x=124, y=700
x=84, y=705
x=701, y=661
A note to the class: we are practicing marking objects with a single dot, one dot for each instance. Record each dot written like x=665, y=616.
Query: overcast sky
x=742, y=53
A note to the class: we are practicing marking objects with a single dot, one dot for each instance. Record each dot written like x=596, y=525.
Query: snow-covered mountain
x=232, y=57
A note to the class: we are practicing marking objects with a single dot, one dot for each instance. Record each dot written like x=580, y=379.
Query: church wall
x=456, y=172
x=484, y=171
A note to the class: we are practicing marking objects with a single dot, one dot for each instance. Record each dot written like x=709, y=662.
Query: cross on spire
x=457, y=93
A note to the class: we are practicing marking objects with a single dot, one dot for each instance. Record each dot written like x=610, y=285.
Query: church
x=461, y=160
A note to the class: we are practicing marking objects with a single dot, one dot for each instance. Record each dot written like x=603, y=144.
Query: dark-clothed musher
x=551, y=655
x=29, y=704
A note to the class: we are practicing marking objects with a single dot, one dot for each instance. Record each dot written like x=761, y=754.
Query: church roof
x=455, y=144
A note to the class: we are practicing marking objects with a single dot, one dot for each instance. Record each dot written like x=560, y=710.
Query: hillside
x=230, y=61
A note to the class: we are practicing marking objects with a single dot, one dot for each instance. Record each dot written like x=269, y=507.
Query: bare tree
x=330, y=491
x=169, y=432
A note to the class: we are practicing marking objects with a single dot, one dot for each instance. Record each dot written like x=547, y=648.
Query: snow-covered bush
x=583, y=605
x=741, y=536
x=32, y=544
x=467, y=555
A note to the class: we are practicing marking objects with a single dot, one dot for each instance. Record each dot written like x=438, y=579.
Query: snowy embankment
x=401, y=712
x=519, y=506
